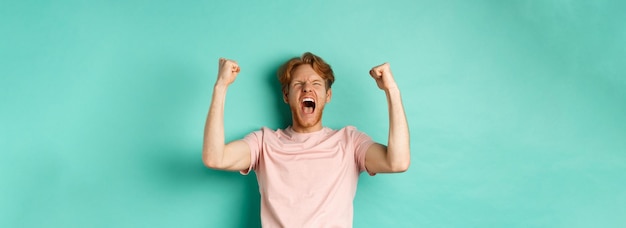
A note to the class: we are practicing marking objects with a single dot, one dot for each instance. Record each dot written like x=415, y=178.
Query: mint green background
x=516, y=108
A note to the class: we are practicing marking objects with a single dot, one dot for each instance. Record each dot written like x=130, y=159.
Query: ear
x=329, y=94
x=285, y=97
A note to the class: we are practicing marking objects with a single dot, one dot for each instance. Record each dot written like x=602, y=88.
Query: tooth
x=307, y=99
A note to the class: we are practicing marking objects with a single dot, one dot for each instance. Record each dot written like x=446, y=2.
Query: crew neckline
x=294, y=134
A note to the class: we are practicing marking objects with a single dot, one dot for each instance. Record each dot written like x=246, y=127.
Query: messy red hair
x=318, y=64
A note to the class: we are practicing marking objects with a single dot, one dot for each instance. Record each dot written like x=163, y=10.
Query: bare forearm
x=398, y=148
x=396, y=157
x=213, y=148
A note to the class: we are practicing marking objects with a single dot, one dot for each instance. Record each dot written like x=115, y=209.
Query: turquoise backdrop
x=516, y=108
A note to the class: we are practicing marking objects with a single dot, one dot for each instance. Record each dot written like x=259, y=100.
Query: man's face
x=307, y=96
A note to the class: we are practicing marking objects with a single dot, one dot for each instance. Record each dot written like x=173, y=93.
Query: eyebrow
x=301, y=81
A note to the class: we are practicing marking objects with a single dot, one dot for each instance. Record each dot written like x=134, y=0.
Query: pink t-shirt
x=307, y=179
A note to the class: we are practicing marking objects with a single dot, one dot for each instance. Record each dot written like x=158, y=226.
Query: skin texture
x=396, y=157
x=306, y=83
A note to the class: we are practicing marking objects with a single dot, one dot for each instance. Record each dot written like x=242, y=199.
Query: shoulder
x=264, y=132
x=261, y=136
x=351, y=132
x=349, y=129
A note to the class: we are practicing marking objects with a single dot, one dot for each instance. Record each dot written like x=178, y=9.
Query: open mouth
x=308, y=105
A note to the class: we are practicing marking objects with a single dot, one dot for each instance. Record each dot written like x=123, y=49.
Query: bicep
x=376, y=159
x=236, y=156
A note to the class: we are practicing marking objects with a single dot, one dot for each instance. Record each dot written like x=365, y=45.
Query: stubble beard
x=306, y=123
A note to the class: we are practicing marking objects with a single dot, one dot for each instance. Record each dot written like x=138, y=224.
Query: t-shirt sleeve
x=362, y=142
x=255, y=142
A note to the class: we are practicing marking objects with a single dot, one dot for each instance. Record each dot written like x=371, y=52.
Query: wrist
x=392, y=90
x=220, y=86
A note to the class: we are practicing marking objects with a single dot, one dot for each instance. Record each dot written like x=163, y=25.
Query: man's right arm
x=234, y=156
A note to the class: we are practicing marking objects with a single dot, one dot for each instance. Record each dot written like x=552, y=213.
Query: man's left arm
x=396, y=156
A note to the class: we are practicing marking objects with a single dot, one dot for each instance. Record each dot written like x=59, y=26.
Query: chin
x=306, y=122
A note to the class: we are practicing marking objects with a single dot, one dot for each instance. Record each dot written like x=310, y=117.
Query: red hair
x=318, y=64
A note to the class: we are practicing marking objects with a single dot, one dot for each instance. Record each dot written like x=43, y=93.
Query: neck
x=302, y=129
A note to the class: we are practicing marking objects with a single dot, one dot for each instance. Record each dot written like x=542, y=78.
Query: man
x=307, y=173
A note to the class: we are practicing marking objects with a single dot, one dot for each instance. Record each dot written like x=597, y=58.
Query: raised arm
x=235, y=155
x=396, y=156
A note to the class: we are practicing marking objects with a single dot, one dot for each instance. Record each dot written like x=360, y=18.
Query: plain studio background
x=516, y=108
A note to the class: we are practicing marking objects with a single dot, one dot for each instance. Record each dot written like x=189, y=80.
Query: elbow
x=400, y=167
x=210, y=162
x=400, y=162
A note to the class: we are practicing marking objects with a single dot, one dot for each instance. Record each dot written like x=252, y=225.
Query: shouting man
x=307, y=173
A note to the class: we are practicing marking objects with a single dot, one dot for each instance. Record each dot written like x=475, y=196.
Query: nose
x=306, y=87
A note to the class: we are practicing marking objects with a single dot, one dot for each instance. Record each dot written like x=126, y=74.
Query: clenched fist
x=384, y=78
x=227, y=72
